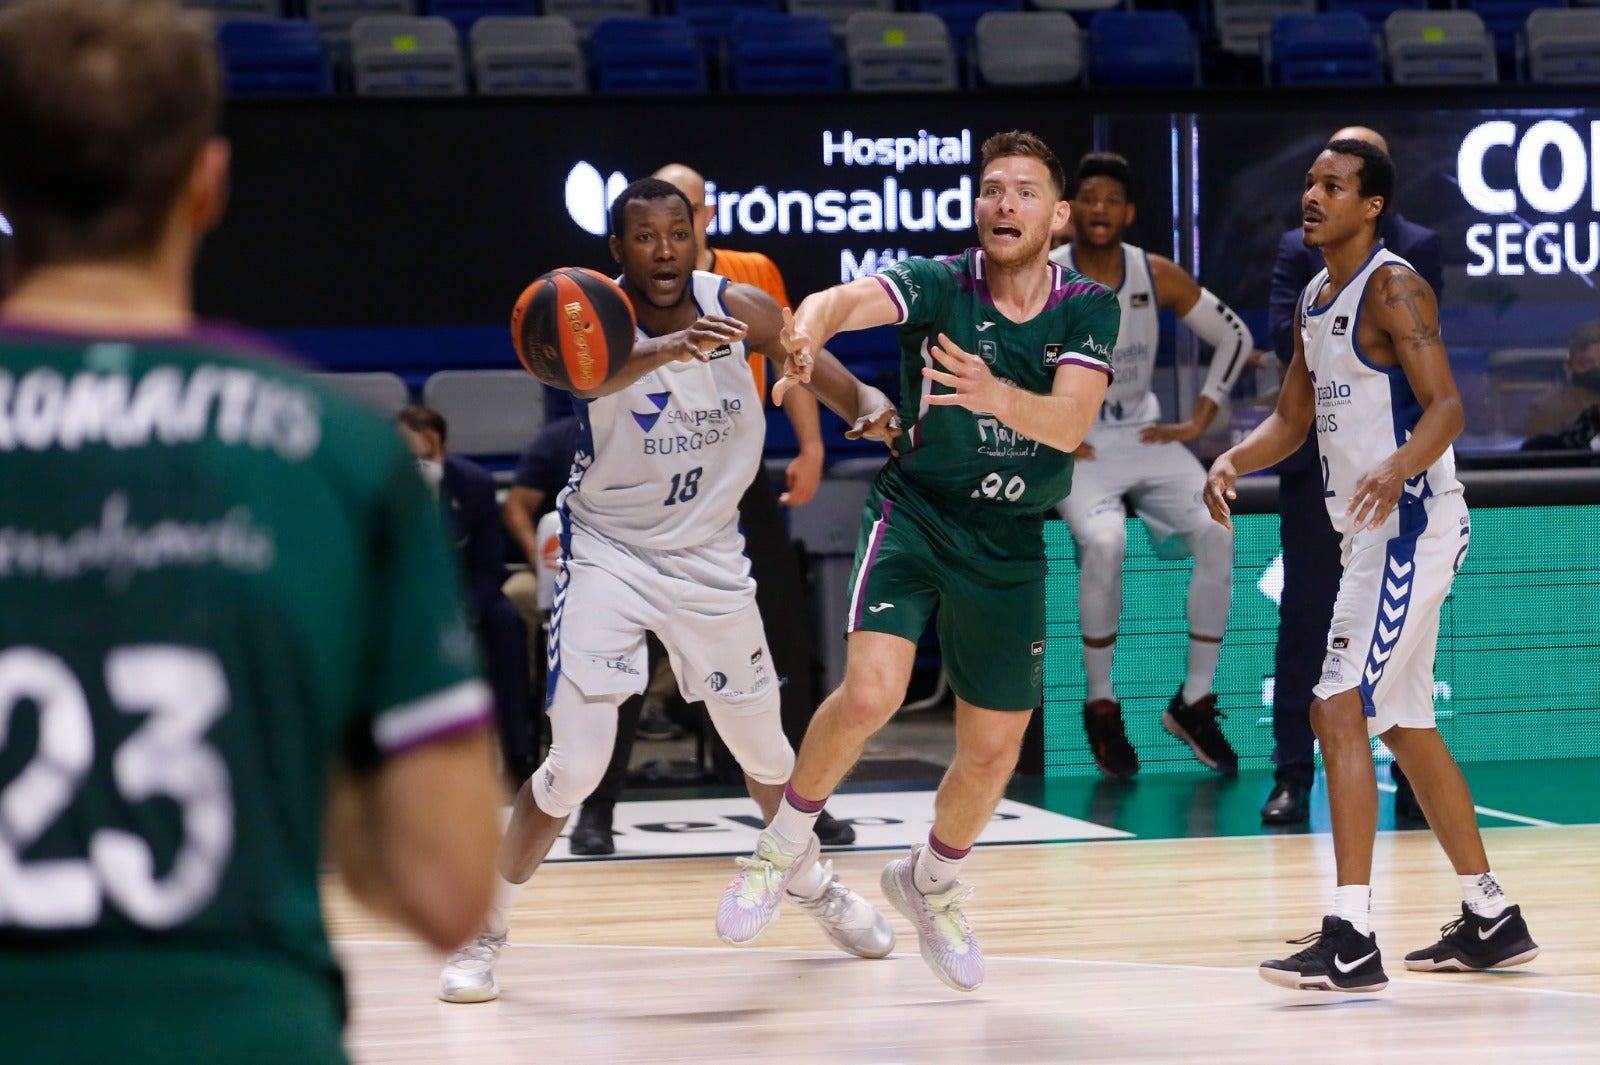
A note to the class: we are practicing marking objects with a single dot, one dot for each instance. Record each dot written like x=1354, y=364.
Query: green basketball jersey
x=966, y=458
x=220, y=581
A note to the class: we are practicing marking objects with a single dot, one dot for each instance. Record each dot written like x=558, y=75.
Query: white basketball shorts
x=1164, y=483
x=1385, y=626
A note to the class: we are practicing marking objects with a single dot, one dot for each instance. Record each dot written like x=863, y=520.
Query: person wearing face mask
x=466, y=491
x=1556, y=406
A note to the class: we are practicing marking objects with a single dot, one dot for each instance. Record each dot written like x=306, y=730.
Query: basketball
x=573, y=329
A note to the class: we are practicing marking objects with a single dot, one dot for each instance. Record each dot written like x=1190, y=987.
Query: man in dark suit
x=466, y=492
x=1310, y=546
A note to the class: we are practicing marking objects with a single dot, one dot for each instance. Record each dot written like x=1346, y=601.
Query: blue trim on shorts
x=1394, y=600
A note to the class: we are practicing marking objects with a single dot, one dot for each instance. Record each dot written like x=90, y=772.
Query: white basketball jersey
x=1364, y=412
x=662, y=463
x=1133, y=360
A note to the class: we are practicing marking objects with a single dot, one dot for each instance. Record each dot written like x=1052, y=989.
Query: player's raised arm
x=1214, y=322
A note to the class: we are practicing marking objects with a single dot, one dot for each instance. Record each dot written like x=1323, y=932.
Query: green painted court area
x=1563, y=791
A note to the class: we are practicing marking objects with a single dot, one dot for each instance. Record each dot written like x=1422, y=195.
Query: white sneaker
x=749, y=906
x=469, y=974
x=852, y=922
x=948, y=945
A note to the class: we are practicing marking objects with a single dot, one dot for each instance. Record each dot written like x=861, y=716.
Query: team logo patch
x=1139, y=299
x=647, y=422
x=1038, y=647
x=988, y=351
x=1341, y=325
x=717, y=681
x=1052, y=354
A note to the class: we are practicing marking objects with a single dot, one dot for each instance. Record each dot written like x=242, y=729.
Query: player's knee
x=1334, y=721
x=993, y=757
x=752, y=727
x=1212, y=547
x=866, y=701
x=567, y=778
x=1102, y=547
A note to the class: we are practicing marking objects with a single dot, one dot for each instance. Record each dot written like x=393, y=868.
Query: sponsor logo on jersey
x=1341, y=642
x=985, y=325
x=1139, y=299
x=648, y=421
x=621, y=665
x=1052, y=354
x=998, y=440
x=1332, y=394
x=719, y=353
x=1341, y=325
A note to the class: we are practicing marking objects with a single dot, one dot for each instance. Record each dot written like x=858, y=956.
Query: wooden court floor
x=1126, y=951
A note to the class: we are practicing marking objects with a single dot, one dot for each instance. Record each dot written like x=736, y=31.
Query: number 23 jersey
x=966, y=457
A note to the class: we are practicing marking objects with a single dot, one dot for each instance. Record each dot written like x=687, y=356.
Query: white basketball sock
x=1483, y=894
x=934, y=872
x=1097, y=671
x=505, y=900
x=1203, y=658
x=1353, y=902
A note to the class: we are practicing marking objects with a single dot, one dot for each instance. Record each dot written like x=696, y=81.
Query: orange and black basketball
x=573, y=329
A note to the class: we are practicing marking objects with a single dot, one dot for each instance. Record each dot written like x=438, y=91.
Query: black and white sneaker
x=1471, y=942
x=1338, y=959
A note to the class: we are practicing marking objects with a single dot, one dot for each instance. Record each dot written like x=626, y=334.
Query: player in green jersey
x=231, y=639
x=1005, y=360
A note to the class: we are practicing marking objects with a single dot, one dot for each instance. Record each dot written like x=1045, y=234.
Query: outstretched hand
x=973, y=385
x=801, y=348
x=707, y=334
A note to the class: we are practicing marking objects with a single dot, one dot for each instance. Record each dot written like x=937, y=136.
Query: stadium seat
x=384, y=392
x=1564, y=46
x=490, y=412
x=1439, y=48
x=406, y=57
x=783, y=53
x=1242, y=25
x=713, y=19
x=224, y=10
x=1028, y=48
x=587, y=14
x=464, y=13
x=1323, y=49
x=961, y=16
x=899, y=51
x=335, y=17
x=1375, y=11
x=1142, y=48
x=273, y=57
x=837, y=12
x=1081, y=10
x=530, y=55
x=646, y=55
x=1505, y=19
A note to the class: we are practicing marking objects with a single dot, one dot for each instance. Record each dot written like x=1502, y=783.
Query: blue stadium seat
x=1506, y=18
x=713, y=19
x=1335, y=48
x=783, y=53
x=646, y=55
x=273, y=57
x=463, y=13
x=1375, y=11
x=961, y=16
x=1142, y=48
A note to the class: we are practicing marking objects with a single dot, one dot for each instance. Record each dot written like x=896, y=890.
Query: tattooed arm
x=1400, y=328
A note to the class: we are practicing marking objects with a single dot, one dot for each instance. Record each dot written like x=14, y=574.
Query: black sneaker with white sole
x=1471, y=942
x=1199, y=724
x=1339, y=958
